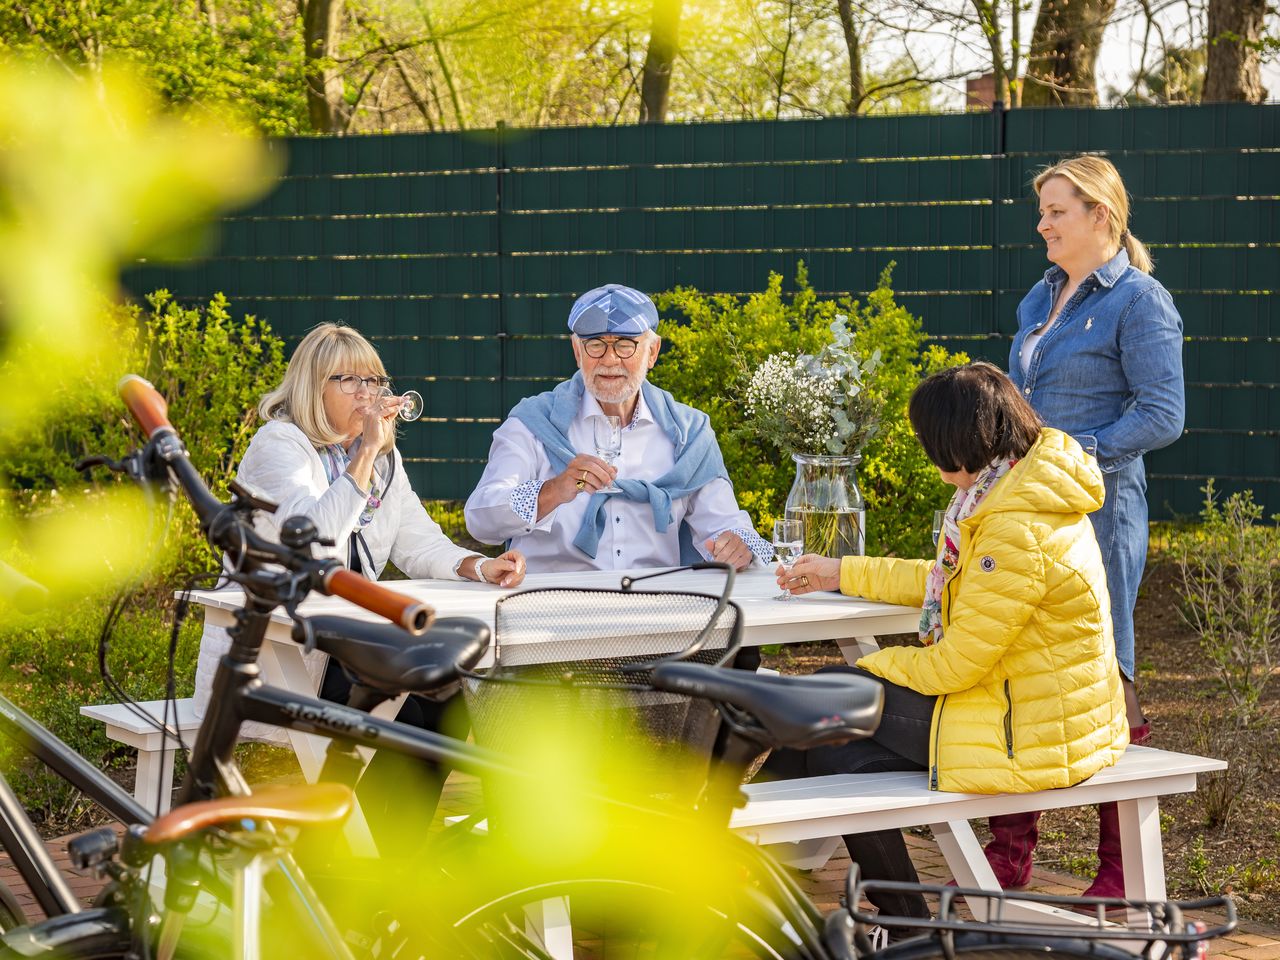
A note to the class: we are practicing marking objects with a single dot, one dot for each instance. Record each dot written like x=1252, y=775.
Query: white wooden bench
x=823, y=808
x=155, y=755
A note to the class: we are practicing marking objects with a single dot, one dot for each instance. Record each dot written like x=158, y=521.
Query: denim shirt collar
x=1106, y=275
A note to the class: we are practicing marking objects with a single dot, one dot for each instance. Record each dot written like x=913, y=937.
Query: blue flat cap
x=613, y=310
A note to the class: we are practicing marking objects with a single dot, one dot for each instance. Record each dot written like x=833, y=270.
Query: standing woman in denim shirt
x=1098, y=354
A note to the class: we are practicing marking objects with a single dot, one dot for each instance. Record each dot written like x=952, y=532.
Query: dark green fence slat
x=930, y=270
x=1167, y=221
x=1180, y=496
x=1152, y=175
x=907, y=181
x=1225, y=454
x=1227, y=361
x=1068, y=131
x=1225, y=269
x=1254, y=408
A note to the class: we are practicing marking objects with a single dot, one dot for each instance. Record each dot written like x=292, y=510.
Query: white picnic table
x=779, y=812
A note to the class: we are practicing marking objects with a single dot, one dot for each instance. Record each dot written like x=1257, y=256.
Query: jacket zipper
x=937, y=732
x=1008, y=719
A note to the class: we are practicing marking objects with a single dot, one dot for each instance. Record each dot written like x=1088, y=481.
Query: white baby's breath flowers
x=814, y=404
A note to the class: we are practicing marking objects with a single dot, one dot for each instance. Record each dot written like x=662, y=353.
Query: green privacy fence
x=459, y=254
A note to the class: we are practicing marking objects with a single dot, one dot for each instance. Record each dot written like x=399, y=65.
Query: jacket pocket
x=1008, y=719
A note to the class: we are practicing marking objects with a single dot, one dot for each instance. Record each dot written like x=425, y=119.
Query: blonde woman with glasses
x=326, y=451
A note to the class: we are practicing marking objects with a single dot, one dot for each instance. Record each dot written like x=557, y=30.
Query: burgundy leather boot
x=1013, y=839
x=1110, y=879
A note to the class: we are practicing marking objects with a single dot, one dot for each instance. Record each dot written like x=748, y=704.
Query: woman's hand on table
x=504, y=570
x=811, y=572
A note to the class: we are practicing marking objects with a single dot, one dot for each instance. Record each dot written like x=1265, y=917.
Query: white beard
x=623, y=392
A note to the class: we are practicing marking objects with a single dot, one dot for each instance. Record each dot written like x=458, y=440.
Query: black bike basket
x=583, y=657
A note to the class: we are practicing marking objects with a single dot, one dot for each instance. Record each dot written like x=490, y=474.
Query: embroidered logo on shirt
x=987, y=563
x=1088, y=324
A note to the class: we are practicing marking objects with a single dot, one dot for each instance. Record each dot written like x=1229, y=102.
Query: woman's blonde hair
x=326, y=350
x=1096, y=180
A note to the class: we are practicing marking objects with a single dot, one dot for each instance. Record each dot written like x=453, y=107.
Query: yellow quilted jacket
x=1028, y=688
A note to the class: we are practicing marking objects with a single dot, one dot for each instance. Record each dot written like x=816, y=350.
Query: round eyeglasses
x=350, y=383
x=623, y=348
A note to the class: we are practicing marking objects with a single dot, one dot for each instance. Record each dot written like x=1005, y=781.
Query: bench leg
x=548, y=923
x=963, y=853
x=155, y=773
x=1141, y=851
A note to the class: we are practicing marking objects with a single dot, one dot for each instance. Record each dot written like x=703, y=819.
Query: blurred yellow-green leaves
x=93, y=176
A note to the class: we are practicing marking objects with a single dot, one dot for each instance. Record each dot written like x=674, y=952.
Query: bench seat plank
x=791, y=810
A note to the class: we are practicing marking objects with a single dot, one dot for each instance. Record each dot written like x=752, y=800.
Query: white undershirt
x=1029, y=346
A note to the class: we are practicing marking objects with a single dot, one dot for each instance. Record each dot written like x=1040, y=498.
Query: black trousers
x=398, y=795
x=900, y=743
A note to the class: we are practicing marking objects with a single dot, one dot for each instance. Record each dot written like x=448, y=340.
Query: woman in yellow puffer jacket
x=1016, y=686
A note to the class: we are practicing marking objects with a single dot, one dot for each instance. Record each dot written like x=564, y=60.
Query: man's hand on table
x=811, y=572
x=729, y=548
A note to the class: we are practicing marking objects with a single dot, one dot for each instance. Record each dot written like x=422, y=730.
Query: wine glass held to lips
x=410, y=403
x=788, y=544
x=608, y=438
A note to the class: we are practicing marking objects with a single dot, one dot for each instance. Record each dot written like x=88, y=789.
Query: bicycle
x=478, y=907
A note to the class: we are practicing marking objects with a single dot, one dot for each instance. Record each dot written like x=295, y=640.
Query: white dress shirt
x=504, y=504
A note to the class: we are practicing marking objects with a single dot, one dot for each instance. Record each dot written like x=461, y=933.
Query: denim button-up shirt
x=1109, y=370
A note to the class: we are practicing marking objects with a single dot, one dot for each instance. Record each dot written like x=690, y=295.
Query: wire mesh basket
x=582, y=658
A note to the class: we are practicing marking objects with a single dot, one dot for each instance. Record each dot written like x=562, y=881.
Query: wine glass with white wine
x=788, y=544
x=608, y=437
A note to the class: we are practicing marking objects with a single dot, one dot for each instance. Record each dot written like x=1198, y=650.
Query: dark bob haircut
x=966, y=417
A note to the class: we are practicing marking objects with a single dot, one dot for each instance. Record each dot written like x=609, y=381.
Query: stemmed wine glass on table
x=788, y=544
x=608, y=437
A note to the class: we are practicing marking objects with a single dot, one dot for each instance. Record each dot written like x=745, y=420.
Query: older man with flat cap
x=673, y=503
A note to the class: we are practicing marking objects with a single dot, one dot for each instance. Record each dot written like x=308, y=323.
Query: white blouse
x=281, y=465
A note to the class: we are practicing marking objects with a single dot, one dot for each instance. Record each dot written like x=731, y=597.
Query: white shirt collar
x=590, y=407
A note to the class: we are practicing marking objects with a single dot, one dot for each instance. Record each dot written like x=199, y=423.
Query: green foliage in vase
x=712, y=341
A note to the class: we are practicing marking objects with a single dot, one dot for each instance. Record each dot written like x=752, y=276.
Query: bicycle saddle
x=308, y=803
x=796, y=712
x=394, y=661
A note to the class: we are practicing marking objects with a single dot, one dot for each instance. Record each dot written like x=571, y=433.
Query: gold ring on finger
x=804, y=581
x=579, y=484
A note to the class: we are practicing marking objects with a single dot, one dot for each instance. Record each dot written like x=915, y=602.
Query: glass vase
x=826, y=497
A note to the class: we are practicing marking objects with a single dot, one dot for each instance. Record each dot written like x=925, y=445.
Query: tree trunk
x=664, y=40
x=852, y=42
x=1233, y=70
x=325, y=102
x=989, y=22
x=1064, y=50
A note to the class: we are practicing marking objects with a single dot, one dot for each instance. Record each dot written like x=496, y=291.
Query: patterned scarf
x=336, y=465
x=962, y=505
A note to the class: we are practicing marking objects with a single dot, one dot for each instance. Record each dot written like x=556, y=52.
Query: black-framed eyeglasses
x=350, y=383
x=624, y=348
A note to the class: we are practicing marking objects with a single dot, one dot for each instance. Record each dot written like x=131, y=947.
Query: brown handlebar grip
x=413, y=615
x=145, y=403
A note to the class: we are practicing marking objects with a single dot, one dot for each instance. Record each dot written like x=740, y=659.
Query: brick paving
x=1251, y=941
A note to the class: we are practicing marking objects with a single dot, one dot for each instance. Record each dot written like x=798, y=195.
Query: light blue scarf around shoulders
x=549, y=415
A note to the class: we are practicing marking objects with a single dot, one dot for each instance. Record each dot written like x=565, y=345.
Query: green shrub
x=49, y=667
x=212, y=370
x=719, y=338
x=1231, y=595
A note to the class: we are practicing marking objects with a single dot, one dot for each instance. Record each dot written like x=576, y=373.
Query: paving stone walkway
x=1252, y=941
